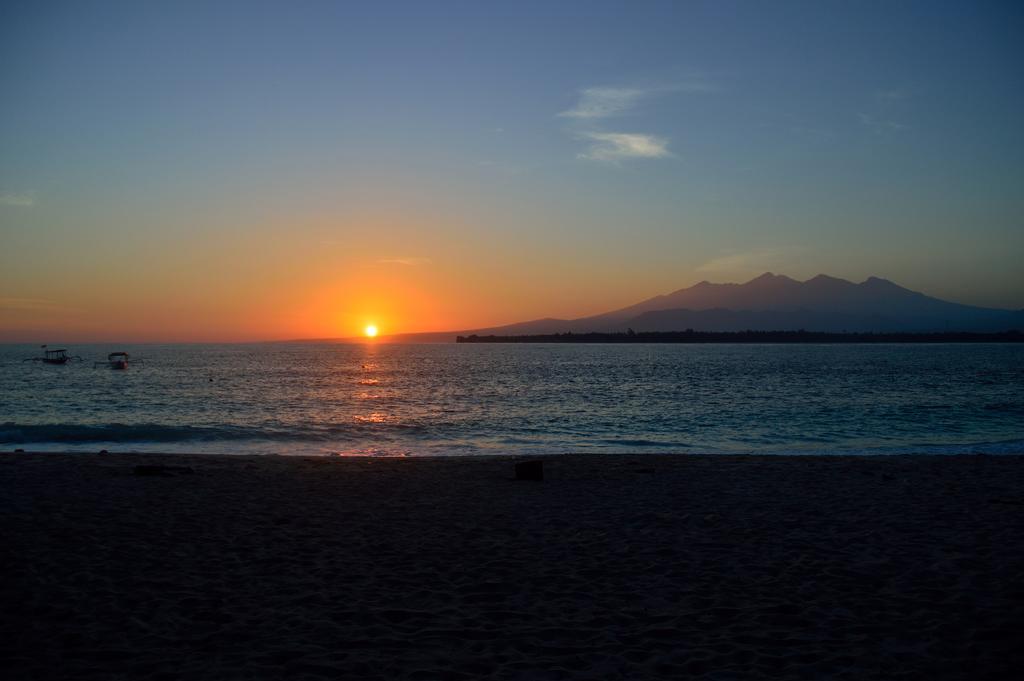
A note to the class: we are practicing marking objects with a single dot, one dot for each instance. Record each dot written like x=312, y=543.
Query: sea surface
x=384, y=399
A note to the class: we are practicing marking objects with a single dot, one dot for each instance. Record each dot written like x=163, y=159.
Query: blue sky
x=590, y=153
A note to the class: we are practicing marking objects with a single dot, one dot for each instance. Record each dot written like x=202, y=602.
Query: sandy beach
x=613, y=567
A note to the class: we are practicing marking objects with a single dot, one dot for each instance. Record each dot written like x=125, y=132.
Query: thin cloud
x=748, y=261
x=29, y=304
x=617, y=146
x=603, y=102
x=19, y=200
x=880, y=125
x=598, y=103
x=408, y=262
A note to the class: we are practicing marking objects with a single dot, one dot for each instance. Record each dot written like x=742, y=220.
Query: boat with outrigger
x=59, y=356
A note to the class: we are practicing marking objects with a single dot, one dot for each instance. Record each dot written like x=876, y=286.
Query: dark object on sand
x=530, y=470
x=60, y=356
x=163, y=470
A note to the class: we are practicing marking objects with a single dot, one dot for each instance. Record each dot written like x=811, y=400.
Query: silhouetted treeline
x=691, y=336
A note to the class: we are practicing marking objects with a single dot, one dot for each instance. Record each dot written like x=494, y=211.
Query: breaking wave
x=12, y=433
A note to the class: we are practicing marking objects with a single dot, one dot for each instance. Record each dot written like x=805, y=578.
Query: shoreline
x=793, y=337
x=614, y=567
x=1013, y=447
x=512, y=456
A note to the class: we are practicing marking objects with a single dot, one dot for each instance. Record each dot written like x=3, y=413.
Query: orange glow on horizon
x=370, y=331
x=278, y=286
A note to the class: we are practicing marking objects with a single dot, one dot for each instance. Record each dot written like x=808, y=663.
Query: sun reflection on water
x=375, y=417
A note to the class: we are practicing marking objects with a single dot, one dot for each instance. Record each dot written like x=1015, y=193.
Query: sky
x=195, y=171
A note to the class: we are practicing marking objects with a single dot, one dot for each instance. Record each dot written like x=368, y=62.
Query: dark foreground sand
x=614, y=567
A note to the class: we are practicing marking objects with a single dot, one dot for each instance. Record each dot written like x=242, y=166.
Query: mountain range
x=773, y=302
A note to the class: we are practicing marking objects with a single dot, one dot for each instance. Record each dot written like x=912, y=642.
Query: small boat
x=118, y=360
x=59, y=356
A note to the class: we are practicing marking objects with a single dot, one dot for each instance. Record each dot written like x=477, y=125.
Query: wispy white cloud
x=603, y=102
x=748, y=261
x=408, y=262
x=617, y=146
x=596, y=104
x=19, y=200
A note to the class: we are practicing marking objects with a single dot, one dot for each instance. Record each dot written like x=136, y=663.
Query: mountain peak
x=770, y=278
x=824, y=278
x=777, y=302
x=878, y=282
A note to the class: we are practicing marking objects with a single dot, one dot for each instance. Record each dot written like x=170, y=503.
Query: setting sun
x=370, y=331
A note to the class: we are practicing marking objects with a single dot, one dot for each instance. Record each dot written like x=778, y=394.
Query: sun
x=370, y=330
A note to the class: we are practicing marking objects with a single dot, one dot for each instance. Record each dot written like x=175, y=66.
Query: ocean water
x=382, y=399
